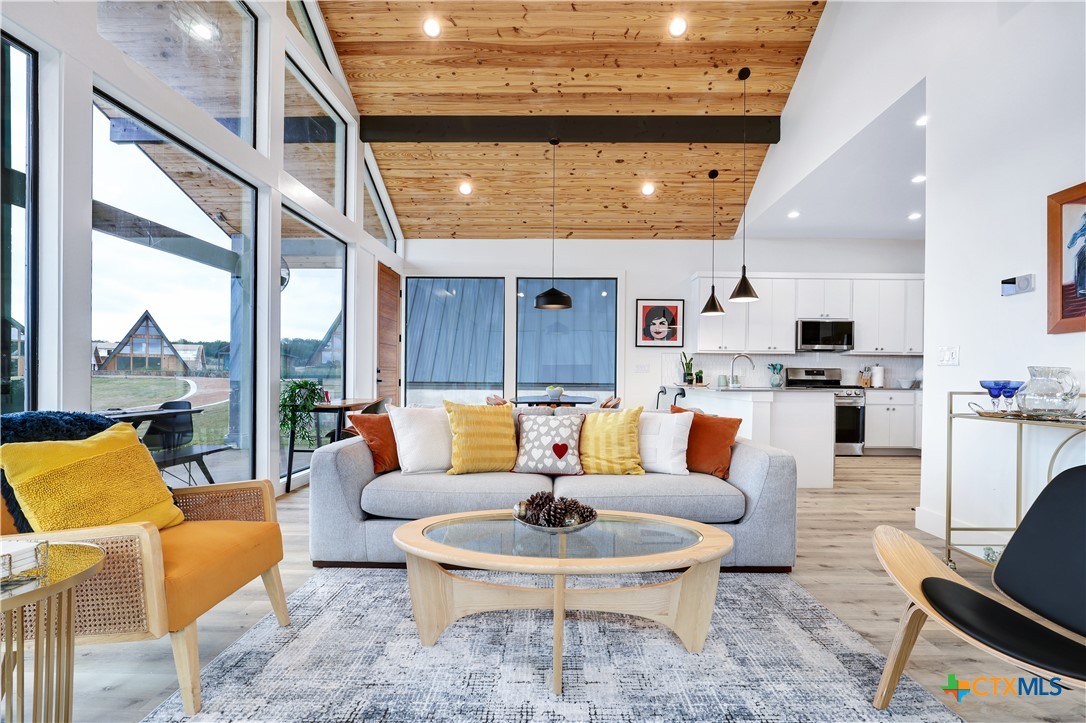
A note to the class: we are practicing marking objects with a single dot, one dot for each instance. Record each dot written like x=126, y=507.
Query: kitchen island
x=800, y=421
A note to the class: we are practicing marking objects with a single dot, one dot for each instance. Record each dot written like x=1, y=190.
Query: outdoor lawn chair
x=160, y=581
x=1042, y=569
x=169, y=440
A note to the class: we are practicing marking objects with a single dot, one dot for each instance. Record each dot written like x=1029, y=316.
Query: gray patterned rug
x=352, y=654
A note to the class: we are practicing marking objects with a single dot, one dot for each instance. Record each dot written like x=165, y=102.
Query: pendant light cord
x=744, y=176
x=554, y=177
x=713, y=231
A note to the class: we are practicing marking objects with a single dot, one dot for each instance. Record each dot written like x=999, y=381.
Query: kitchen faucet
x=732, y=381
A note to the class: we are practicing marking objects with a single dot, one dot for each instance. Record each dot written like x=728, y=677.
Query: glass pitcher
x=1050, y=392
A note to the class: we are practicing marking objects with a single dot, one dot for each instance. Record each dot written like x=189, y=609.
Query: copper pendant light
x=744, y=292
x=552, y=298
x=712, y=306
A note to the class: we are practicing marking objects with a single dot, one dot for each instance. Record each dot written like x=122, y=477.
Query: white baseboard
x=931, y=522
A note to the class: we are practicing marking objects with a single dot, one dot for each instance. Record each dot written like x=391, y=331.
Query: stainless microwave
x=823, y=335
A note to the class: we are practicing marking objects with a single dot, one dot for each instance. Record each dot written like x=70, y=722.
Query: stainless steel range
x=848, y=402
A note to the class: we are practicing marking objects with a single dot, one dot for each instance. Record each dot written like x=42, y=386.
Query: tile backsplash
x=897, y=367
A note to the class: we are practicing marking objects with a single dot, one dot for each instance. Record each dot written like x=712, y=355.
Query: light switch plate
x=641, y=368
x=948, y=356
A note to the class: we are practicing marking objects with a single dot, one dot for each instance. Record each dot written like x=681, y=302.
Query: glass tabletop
x=63, y=560
x=610, y=536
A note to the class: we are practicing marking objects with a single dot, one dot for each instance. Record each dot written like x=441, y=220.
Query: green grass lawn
x=122, y=392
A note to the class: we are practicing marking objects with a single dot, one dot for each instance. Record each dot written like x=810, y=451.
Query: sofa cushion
x=550, y=445
x=609, y=443
x=483, y=438
x=710, y=446
x=698, y=497
x=423, y=439
x=376, y=429
x=662, y=439
x=409, y=497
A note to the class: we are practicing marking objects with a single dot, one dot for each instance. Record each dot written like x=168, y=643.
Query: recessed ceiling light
x=919, y=178
x=431, y=27
x=922, y=120
x=793, y=214
x=676, y=27
x=520, y=294
x=647, y=188
x=914, y=216
x=603, y=293
x=465, y=188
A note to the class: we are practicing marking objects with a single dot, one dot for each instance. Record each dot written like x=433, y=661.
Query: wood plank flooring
x=123, y=682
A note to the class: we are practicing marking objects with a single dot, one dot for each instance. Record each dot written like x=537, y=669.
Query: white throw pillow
x=423, y=439
x=662, y=439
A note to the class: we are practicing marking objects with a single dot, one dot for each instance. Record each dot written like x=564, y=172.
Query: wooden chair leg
x=186, y=656
x=274, y=585
x=912, y=620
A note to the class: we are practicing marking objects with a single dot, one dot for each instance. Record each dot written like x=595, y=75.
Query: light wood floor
x=124, y=682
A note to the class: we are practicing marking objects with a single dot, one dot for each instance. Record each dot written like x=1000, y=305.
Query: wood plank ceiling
x=576, y=58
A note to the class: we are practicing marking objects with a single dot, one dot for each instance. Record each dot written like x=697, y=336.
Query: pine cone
x=581, y=510
x=553, y=516
x=539, y=501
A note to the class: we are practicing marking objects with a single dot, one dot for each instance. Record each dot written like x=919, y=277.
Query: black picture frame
x=672, y=313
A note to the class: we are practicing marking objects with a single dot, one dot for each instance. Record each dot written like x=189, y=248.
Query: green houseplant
x=296, y=402
x=688, y=368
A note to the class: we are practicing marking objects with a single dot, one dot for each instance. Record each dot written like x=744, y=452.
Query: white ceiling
x=865, y=189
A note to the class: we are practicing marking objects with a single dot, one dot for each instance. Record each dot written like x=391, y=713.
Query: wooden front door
x=388, y=334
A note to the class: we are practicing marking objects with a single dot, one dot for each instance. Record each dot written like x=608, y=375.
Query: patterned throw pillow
x=550, y=445
x=483, y=438
x=609, y=442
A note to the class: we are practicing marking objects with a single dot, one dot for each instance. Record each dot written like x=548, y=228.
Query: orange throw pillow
x=710, y=447
x=376, y=429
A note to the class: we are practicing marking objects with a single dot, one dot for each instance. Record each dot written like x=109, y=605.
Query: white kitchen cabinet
x=890, y=419
x=721, y=333
x=914, y=316
x=771, y=321
x=823, y=298
x=878, y=310
x=919, y=427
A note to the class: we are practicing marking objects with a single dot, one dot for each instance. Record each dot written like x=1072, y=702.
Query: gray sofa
x=353, y=512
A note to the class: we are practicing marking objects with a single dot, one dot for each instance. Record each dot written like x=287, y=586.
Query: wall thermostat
x=1016, y=285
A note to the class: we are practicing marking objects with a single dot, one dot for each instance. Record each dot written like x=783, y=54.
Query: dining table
x=545, y=400
x=136, y=417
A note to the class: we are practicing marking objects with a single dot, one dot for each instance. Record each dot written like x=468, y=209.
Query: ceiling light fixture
x=914, y=216
x=793, y=214
x=465, y=188
x=744, y=292
x=676, y=27
x=431, y=27
x=647, y=189
x=919, y=178
x=712, y=304
x=922, y=120
x=202, y=31
x=552, y=298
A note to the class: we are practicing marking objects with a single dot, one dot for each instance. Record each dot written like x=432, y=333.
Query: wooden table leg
x=559, y=628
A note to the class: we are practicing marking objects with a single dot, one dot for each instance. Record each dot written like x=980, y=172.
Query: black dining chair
x=170, y=432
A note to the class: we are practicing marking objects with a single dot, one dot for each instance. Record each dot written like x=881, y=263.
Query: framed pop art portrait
x=1067, y=260
x=659, y=322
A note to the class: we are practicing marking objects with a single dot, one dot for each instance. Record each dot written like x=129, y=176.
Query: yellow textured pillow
x=609, y=443
x=101, y=480
x=483, y=438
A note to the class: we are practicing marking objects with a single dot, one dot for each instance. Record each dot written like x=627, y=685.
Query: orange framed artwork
x=1067, y=260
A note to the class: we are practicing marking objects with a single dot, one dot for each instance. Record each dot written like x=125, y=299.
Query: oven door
x=815, y=335
x=849, y=429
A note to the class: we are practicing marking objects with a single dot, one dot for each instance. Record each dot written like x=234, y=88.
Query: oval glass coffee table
x=617, y=543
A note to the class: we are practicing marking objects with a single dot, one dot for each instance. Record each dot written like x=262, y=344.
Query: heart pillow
x=550, y=445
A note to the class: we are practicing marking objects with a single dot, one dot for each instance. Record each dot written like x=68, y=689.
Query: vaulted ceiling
x=517, y=59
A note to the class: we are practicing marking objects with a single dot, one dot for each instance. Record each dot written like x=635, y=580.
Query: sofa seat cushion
x=697, y=497
x=410, y=497
x=204, y=562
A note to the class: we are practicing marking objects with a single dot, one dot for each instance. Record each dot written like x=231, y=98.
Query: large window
x=374, y=216
x=573, y=348
x=172, y=285
x=312, y=282
x=203, y=49
x=299, y=16
x=315, y=139
x=455, y=339
x=17, y=88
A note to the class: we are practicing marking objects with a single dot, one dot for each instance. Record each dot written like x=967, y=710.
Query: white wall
x=646, y=269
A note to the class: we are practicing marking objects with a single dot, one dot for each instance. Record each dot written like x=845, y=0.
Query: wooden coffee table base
x=684, y=604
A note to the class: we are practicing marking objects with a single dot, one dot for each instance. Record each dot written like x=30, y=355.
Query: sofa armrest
x=767, y=478
x=337, y=474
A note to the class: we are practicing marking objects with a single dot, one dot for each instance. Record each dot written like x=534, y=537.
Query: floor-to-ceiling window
x=312, y=283
x=172, y=284
x=299, y=17
x=374, y=215
x=455, y=345
x=314, y=138
x=572, y=348
x=17, y=92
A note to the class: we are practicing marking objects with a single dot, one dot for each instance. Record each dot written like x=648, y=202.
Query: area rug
x=352, y=654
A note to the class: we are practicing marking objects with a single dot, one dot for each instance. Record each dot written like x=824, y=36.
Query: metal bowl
x=555, y=530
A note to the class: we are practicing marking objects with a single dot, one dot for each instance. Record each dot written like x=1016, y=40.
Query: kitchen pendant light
x=744, y=291
x=712, y=306
x=552, y=298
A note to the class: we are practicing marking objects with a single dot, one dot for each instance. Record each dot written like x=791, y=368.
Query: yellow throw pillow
x=609, y=443
x=483, y=438
x=102, y=480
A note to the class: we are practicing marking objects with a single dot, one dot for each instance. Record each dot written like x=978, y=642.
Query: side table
x=48, y=607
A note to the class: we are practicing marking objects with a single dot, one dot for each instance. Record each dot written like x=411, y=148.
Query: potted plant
x=554, y=391
x=688, y=369
x=296, y=402
x=699, y=376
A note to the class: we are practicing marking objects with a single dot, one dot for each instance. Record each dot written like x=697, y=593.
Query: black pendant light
x=744, y=291
x=712, y=306
x=552, y=298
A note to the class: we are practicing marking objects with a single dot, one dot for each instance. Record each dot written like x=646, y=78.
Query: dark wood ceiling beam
x=571, y=129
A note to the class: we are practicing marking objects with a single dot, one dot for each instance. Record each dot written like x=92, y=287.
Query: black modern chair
x=170, y=432
x=1042, y=570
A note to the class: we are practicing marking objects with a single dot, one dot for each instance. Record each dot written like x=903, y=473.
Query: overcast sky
x=187, y=299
